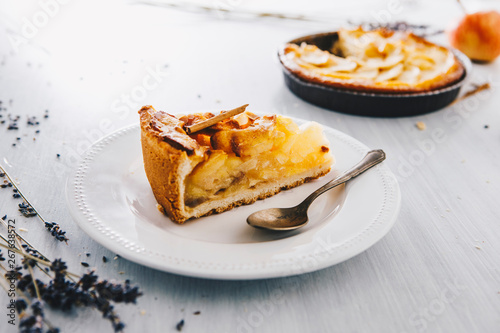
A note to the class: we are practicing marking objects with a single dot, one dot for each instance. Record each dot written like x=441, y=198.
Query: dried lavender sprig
x=188, y=6
x=19, y=191
x=462, y=6
x=24, y=252
x=24, y=240
x=44, y=261
x=34, y=323
x=41, y=256
x=30, y=269
x=39, y=319
x=53, y=227
x=3, y=281
x=24, y=303
x=63, y=294
x=37, y=291
x=86, y=292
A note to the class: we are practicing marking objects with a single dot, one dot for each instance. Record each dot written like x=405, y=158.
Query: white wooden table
x=92, y=65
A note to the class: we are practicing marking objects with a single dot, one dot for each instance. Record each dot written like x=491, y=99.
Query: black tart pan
x=370, y=103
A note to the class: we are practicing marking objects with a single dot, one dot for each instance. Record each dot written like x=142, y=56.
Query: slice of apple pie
x=234, y=162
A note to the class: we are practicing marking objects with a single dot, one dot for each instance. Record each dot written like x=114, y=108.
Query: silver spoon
x=283, y=219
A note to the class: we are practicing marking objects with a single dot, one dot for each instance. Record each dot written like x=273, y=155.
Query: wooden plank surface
x=438, y=269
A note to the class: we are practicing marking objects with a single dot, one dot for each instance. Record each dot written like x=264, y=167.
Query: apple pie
x=375, y=61
x=234, y=162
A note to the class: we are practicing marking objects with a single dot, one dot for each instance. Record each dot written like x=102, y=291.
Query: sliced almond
x=388, y=62
x=316, y=58
x=363, y=73
x=242, y=120
x=410, y=75
x=390, y=73
x=341, y=66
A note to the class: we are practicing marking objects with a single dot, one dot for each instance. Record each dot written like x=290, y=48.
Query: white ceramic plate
x=111, y=200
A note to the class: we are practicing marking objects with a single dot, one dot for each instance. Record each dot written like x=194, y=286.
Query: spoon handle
x=372, y=158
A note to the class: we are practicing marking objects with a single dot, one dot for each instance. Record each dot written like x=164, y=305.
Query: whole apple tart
x=375, y=61
x=233, y=162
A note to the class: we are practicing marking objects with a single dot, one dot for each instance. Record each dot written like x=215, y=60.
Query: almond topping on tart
x=170, y=130
x=378, y=60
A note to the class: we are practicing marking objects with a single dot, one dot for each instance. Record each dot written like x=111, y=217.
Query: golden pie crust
x=375, y=61
x=224, y=166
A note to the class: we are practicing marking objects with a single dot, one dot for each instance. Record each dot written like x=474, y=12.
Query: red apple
x=478, y=36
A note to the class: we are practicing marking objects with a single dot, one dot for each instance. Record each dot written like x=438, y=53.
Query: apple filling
x=248, y=151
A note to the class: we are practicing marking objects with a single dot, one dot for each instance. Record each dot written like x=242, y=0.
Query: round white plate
x=111, y=200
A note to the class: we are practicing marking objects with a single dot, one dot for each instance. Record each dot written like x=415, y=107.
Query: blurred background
x=101, y=49
x=93, y=64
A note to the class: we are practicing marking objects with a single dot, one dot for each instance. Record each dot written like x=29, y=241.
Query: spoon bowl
x=280, y=219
